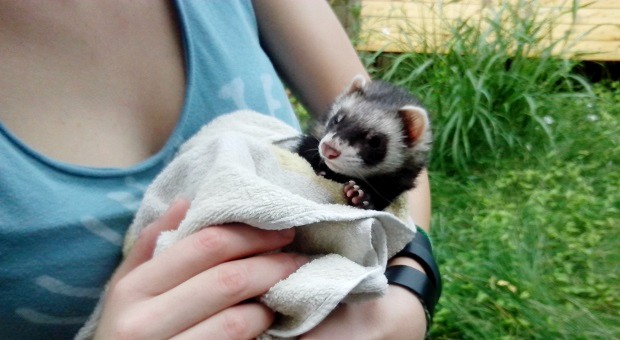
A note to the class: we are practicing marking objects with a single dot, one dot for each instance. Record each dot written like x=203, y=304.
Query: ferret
x=375, y=140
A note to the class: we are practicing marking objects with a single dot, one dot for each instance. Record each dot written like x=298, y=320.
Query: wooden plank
x=581, y=3
x=594, y=29
x=387, y=9
x=608, y=32
x=587, y=50
x=598, y=50
x=609, y=4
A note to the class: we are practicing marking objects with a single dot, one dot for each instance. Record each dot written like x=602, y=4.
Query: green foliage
x=489, y=86
x=305, y=120
x=530, y=248
x=349, y=13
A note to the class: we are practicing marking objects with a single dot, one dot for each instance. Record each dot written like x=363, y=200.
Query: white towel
x=238, y=169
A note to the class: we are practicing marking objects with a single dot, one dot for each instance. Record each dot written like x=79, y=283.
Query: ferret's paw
x=356, y=196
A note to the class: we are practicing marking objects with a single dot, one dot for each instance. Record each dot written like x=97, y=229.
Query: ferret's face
x=360, y=145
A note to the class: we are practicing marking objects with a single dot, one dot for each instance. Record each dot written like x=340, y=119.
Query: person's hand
x=397, y=315
x=202, y=287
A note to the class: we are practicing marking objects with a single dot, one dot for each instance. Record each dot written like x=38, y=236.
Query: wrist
x=406, y=261
x=414, y=269
x=420, y=251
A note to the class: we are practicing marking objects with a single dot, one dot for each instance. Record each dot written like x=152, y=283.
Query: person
x=95, y=98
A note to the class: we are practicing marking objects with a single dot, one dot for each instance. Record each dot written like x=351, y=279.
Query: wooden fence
x=589, y=29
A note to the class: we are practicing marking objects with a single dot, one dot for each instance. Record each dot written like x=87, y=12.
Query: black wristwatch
x=426, y=286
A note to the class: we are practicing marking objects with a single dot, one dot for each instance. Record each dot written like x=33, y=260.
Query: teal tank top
x=62, y=226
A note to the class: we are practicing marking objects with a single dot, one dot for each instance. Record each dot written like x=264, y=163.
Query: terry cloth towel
x=239, y=168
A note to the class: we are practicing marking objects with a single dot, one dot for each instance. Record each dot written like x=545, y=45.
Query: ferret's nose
x=327, y=150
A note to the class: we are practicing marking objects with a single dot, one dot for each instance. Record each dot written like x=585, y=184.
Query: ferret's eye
x=374, y=141
x=338, y=118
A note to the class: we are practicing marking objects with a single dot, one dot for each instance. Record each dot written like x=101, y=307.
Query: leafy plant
x=489, y=84
x=529, y=249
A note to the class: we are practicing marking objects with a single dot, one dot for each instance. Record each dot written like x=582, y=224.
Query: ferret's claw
x=356, y=196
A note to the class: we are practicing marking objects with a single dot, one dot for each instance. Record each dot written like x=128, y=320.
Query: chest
x=98, y=84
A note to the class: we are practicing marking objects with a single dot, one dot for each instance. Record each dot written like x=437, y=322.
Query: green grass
x=529, y=248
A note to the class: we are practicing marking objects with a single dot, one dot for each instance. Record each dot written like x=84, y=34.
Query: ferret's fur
x=375, y=134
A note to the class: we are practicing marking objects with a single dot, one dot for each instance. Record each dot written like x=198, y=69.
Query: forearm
x=420, y=202
x=420, y=212
x=310, y=49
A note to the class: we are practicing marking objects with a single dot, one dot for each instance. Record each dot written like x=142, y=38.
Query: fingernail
x=180, y=200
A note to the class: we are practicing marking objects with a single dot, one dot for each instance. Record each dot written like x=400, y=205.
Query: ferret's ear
x=357, y=85
x=415, y=120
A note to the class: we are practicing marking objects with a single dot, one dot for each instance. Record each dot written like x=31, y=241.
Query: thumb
x=144, y=246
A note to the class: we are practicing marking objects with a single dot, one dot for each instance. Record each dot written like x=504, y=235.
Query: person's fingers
x=142, y=249
x=201, y=251
x=200, y=276
x=221, y=287
x=244, y=321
